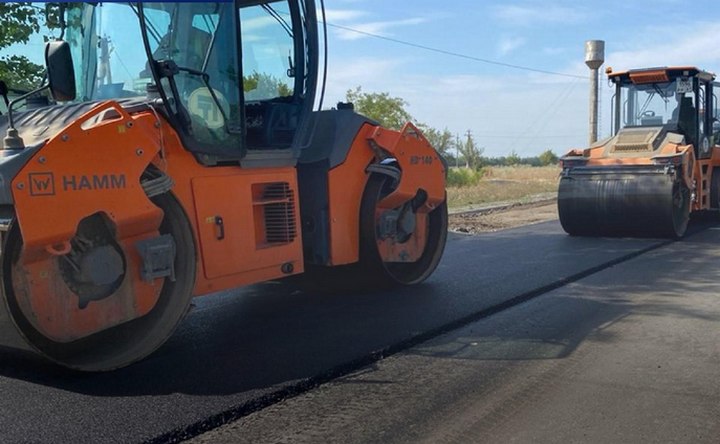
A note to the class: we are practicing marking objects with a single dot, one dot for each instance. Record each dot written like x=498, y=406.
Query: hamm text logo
x=94, y=182
x=42, y=184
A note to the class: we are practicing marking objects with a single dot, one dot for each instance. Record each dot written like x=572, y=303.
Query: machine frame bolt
x=129, y=124
x=42, y=159
x=20, y=186
x=139, y=152
x=65, y=138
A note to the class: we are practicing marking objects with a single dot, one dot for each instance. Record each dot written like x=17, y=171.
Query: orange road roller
x=180, y=149
x=660, y=165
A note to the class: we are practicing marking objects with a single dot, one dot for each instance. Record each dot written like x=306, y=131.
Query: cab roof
x=659, y=74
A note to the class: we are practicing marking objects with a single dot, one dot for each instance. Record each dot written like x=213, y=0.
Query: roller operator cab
x=176, y=152
x=660, y=165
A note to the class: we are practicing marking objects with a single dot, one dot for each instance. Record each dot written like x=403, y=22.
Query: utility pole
x=457, y=150
x=468, y=148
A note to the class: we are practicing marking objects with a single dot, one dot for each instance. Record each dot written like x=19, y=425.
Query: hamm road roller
x=660, y=165
x=176, y=150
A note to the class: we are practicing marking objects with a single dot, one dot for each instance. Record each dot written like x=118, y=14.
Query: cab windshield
x=107, y=50
x=655, y=104
x=236, y=74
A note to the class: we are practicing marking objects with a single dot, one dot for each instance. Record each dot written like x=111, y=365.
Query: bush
x=463, y=177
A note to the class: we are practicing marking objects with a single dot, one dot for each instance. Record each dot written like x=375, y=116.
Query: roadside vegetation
x=502, y=184
x=473, y=179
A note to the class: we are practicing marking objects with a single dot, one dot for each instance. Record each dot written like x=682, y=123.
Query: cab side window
x=201, y=37
x=267, y=51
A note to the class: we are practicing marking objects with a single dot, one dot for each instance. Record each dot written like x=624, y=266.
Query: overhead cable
x=455, y=54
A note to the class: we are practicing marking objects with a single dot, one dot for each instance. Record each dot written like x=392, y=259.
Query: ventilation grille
x=632, y=148
x=635, y=140
x=277, y=204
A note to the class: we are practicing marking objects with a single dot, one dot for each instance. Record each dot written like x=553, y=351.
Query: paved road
x=628, y=355
x=242, y=350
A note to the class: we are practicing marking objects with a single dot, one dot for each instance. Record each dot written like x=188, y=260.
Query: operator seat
x=687, y=119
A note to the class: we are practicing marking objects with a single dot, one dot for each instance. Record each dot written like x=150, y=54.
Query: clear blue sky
x=508, y=109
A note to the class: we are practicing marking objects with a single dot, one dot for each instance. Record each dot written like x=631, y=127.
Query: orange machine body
x=200, y=168
x=246, y=222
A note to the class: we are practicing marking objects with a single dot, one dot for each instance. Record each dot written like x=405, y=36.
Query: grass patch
x=463, y=177
x=501, y=184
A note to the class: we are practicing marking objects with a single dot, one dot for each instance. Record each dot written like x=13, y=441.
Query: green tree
x=388, y=111
x=20, y=21
x=442, y=141
x=471, y=152
x=512, y=159
x=548, y=158
x=20, y=73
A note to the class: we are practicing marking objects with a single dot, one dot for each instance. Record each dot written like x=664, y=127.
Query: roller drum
x=642, y=203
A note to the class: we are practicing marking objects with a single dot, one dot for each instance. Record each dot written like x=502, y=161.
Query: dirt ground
x=494, y=220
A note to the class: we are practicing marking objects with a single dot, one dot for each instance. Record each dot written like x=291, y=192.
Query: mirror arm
x=12, y=140
x=19, y=99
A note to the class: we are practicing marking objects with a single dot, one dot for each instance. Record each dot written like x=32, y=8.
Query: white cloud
x=377, y=28
x=539, y=13
x=506, y=45
x=369, y=72
x=552, y=51
x=343, y=15
x=698, y=48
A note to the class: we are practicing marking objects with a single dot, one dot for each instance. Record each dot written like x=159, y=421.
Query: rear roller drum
x=128, y=342
x=650, y=205
x=430, y=232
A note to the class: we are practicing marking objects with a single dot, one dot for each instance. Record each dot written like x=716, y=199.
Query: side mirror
x=60, y=71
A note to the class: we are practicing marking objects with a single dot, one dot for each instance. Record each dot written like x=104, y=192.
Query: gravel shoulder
x=503, y=217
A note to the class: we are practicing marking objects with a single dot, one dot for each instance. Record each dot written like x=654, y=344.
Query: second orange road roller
x=661, y=164
x=180, y=151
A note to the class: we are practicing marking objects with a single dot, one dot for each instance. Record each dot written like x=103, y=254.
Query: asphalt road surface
x=630, y=354
x=245, y=351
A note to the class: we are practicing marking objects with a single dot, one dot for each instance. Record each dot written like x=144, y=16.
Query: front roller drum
x=378, y=266
x=617, y=205
x=123, y=344
x=430, y=232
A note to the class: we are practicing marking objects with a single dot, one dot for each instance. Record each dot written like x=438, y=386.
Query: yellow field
x=501, y=184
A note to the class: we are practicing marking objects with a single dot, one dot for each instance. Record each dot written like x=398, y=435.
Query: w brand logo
x=42, y=184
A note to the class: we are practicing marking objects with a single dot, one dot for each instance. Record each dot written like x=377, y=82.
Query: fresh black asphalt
x=626, y=355
x=239, y=348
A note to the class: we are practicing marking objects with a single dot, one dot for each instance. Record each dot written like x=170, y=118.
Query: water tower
x=594, y=58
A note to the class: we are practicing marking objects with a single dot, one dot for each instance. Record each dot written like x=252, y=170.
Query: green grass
x=500, y=184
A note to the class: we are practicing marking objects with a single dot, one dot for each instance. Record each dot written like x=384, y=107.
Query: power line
x=454, y=54
x=553, y=136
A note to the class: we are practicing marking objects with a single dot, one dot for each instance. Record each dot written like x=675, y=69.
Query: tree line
x=458, y=150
